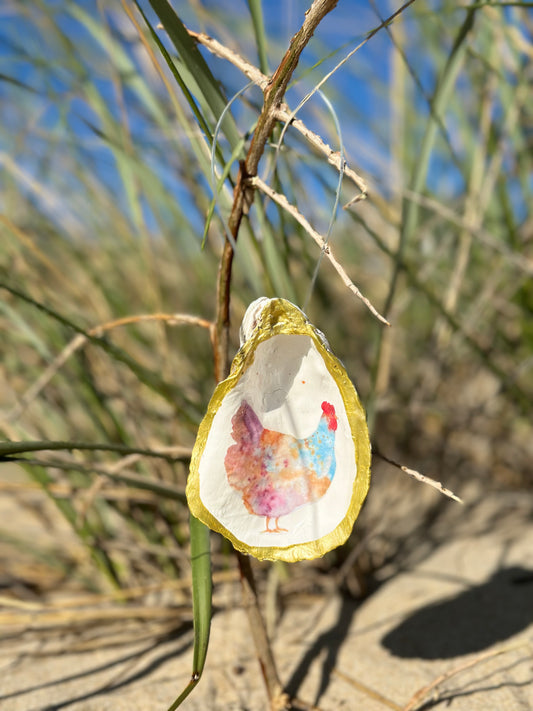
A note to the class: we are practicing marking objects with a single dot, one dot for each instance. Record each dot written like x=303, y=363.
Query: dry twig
x=420, y=477
x=283, y=113
x=243, y=194
x=367, y=691
x=282, y=201
x=80, y=340
x=424, y=692
x=273, y=98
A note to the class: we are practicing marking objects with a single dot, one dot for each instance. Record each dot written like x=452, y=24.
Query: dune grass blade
x=177, y=76
x=10, y=449
x=220, y=184
x=206, y=87
x=410, y=209
x=201, y=596
x=146, y=376
x=202, y=588
x=86, y=532
x=439, y=103
x=256, y=12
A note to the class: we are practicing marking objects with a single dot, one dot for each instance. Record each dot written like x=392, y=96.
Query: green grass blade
x=202, y=587
x=204, y=85
x=256, y=12
x=145, y=375
x=410, y=208
x=440, y=100
x=184, y=78
x=201, y=596
x=220, y=183
x=10, y=449
x=177, y=76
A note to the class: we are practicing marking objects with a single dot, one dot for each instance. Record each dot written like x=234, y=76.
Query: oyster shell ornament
x=281, y=463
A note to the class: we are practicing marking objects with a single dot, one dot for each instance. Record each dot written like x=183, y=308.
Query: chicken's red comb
x=328, y=409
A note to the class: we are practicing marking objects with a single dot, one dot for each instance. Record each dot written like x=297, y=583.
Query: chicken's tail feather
x=246, y=423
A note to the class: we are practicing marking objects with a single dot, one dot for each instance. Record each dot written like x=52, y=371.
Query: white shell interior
x=285, y=385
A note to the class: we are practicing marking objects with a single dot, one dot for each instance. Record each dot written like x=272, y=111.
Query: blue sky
x=51, y=54
x=59, y=63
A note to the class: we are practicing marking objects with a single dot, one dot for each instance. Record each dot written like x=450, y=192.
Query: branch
x=243, y=193
x=274, y=92
x=418, y=698
x=283, y=113
x=81, y=339
x=420, y=477
x=282, y=201
x=220, y=50
x=333, y=157
x=278, y=84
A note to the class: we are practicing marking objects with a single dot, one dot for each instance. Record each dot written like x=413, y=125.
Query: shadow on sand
x=469, y=622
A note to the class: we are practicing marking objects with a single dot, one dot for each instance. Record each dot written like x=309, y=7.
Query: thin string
x=333, y=217
x=272, y=167
x=229, y=236
x=343, y=61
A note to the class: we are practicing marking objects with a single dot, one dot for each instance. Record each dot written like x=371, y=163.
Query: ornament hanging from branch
x=281, y=464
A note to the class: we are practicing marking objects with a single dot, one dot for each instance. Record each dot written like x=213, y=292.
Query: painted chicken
x=276, y=472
